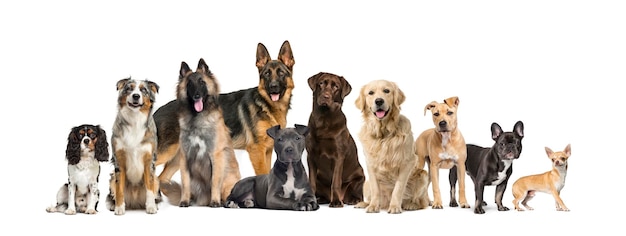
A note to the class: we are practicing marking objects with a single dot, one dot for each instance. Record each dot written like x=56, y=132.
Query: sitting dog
x=443, y=147
x=551, y=182
x=87, y=146
x=133, y=183
x=335, y=174
x=492, y=166
x=286, y=187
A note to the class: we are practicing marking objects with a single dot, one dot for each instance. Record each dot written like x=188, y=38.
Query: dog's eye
x=450, y=113
x=297, y=138
x=371, y=93
x=386, y=91
x=436, y=114
x=144, y=90
x=280, y=139
x=280, y=73
x=267, y=73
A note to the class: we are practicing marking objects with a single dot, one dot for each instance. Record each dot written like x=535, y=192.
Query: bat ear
x=102, y=145
x=496, y=131
x=518, y=129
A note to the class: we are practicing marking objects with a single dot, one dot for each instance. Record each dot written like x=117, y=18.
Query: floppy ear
x=302, y=129
x=184, y=70
x=154, y=88
x=346, y=88
x=286, y=55
x=399, y=95
x=518, y=129
x=121, y=83
x=568, y=150
x=429, y=106
x=549, y=152
x=452, y=101
x=102, y=145
x=313, y=81
x=262, y=56
x=496, y=131
x=360, y=101
x=272, y=131
x=72, y=152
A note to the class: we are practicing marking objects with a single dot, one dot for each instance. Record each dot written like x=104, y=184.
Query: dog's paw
x=231, y=204
x=336, y=204
x=453, y=204
x=91, y=211
x=479, y=210
x=51, y=209
x=151, y=209
x=465, y=205
x=70, y=211
x=503, y=208
x=562, y=209
x=215, y=204
x=183, y=204
x=372, y=209
x=120, y=210
x=437, y=205
x=361, y=205
x=394, y=210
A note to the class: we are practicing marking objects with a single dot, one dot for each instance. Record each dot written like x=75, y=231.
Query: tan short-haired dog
x=549, y=182
x=443, y=147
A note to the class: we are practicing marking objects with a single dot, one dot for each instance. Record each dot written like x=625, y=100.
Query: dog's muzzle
x=135, y=101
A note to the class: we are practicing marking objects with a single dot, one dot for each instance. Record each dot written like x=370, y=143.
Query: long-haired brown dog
x=209, y=166
x=134, y=184
x=395, y=183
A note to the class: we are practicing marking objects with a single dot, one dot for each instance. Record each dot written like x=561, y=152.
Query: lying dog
x=551, y=182
x=492, y=166
x=87, y=146
x=443, y=147
x=335, y=174
x=286, y=187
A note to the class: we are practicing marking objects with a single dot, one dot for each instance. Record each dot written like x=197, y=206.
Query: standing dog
x=551, y=182
x=87, y=146
x=209, y=168
x=335, y=174
x=492, y=166
x=395, y=183
x=443, y=147
x=286, y=187
x=133, y=183
x=248, y=113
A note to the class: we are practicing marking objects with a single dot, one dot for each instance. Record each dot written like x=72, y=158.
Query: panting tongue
x=380, y=114
x=198, y=105
x=275, y=97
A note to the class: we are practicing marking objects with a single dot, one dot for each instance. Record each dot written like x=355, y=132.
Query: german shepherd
x=248, y=113
x=209, y=166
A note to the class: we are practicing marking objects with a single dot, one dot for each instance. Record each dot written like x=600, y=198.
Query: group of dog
x=196, y=135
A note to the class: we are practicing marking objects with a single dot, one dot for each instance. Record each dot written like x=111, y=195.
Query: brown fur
x=443, y=147
x=551, y=182
x=207, y=177
x=396, y=182
x=134, y=183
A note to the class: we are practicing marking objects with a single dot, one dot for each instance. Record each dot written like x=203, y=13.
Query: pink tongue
x=198, y=105
x=380, y=114
x=275, y=97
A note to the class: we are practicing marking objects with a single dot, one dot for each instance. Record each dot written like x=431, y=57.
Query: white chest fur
x=84, y=173
x=131, y=141
x=289, y=186
x=502, y=174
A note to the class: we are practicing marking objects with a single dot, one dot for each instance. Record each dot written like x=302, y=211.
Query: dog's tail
x=172, y=190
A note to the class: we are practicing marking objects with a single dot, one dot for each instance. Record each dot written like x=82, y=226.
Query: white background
x=555, y=65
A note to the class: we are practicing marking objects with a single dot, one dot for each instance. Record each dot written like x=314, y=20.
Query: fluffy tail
x=172, y=191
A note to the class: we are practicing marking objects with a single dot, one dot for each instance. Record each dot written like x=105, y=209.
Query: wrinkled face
x=289, y=145
x=379, y=98
x=508, y=146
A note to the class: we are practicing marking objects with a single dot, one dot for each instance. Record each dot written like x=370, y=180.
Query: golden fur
x=395, y=182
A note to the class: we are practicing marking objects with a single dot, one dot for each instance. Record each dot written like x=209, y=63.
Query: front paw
x=372, y=209
x=465, y=205
x=91, y=211
x=215, y=204
x=301, y=206
x=70, y=211
x=479, y=210
x=335, y=204
x=503, y=208
x=183, y=204
x=120, y=210
x=437, y=205
x=394, y=210
x=151, y=209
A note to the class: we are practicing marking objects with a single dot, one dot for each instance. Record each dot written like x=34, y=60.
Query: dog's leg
x=461, y=175
x=259, y=158
x=336, y=191
x=374, y=191
x=120, y=178
x=479, y=190
x=71, y=199
x=94, y=195
x=170, y=167
x=151, y=182
x=452, y=178
x=500, y=189
x=395, y=205
x=434, y=178
x=217, y=177
x=528, y=196
x=185, y=180
x=560, y=206
x=313, y=175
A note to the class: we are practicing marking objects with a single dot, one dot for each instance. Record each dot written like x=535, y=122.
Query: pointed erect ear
x=121, y=83
x=184, y=69
x=430, y=106
x=262, y=56
x=549, y=152
x=302, y=129
x=272, y=131
x=313, y=81
x=518, y=129
x=203, y=67
x=496, y=131
x=568, y=150
x=286, y=56
x=452, y=101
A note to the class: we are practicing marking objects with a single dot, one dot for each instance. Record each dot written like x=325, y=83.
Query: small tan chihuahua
x=549, y=182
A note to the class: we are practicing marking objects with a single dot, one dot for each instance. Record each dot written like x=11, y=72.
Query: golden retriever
x=394, y=180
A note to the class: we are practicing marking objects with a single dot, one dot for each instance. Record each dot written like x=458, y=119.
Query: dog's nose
x=289, y=150
x=443, y=123
x=86, y=141
x=379, y=101
x=274, y=85
x=136, y=96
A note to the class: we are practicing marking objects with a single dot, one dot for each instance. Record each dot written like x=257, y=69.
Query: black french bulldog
x=287, y=186
x=492, y=166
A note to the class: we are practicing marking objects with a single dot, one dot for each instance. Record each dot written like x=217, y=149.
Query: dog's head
x=275, y=76
x=329, y=90
x=508, y=145
x=380, y=99
x=289, y=143
x=444, y=114
x=87, y=141
x=197, y=91
x=559, y=159
x=136, y=95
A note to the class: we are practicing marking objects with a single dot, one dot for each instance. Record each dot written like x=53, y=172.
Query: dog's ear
x=399, y=96
x=184, y=70
x=302, y=129
x=121, y=83
x=518, y=129
x=430, y=106
x=272, y=131
x=102, y=145
x=72, y=152
x=346, y=88
x=452, y=101
x=286, y=55
x=360, y=101
x=313, y=81
x=203, y=67
x=262, y=56
x=568, y=150
x=496, y=131
x=549, y=152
